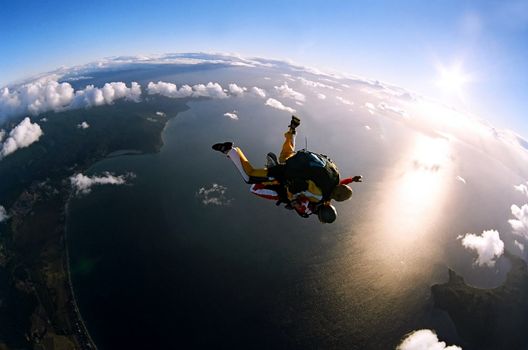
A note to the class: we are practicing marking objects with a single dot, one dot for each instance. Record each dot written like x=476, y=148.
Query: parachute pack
x=305, y=165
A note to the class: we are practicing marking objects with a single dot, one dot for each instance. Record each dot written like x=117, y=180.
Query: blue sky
x=402, y=42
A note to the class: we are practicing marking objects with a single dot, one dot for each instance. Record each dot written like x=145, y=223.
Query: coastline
x=37, y=257
x=115, y=154
x=470, y=308
x=90, y=342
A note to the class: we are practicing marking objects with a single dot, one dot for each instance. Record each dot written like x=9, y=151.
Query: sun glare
x=452, y=80
x=403, y=234
x=415, y=202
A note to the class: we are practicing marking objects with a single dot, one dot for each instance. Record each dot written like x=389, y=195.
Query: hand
x=296, y=204
x=357, y=178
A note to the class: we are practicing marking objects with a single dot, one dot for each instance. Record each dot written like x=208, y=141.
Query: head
x=327, y=213
x=341, y=193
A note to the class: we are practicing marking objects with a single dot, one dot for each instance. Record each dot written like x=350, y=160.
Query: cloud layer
x=424, y=339
x=22, y=135
x=35, y=98
x=83, y=184
x=488, y=246
x=214, y=195
x=212, y=90
x=46, y=95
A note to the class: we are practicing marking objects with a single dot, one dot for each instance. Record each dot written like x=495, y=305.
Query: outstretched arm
x=348, y=180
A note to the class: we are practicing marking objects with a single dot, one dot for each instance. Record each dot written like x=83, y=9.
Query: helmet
x=327, y=213
x=341, y=193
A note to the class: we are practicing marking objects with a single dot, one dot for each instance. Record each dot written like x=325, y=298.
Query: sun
x=452, y=80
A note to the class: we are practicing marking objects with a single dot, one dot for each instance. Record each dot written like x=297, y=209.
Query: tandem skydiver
x=304, y=180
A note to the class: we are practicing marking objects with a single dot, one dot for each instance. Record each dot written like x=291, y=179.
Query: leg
x=250, y=174
x=288, y=148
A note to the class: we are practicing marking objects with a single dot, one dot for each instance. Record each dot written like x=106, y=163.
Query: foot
x=271, y=160
x=223, y=147
x=295, y=122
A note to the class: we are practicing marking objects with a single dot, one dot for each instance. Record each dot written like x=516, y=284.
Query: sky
x=472, y=55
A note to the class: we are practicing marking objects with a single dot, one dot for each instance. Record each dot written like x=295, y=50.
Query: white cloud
x=523, y=188
x=83, y=184
x=519, y=225
x=3, y=214
x=344, y=101
x=35, y=98
x=231, y=115
x=236, y=90
x=519, y=245
x=278, y=105
x=22, y=135
x=213, y=90
x=92, y=96
x=160, y=114
x=321, y=96
x=488, y=246
x=424, y=339
x=258, y=92
x=83, y=125
x=461, y=179
x=287, y=92
x=367, y=127
x=214, y=195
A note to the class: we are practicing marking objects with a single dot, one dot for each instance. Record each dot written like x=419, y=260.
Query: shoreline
x=35, y=251
x=86, y=333
x=111, y=155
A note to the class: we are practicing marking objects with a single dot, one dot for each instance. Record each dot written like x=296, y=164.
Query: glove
x=357, y=178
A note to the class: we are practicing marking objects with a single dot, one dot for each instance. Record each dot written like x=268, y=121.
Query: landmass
x=488, y=318
x=37, y=304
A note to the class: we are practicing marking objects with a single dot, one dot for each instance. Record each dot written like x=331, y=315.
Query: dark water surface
x=153, y=267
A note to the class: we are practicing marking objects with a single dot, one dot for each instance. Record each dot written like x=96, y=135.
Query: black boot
x=223, y=147
x=295, y=122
